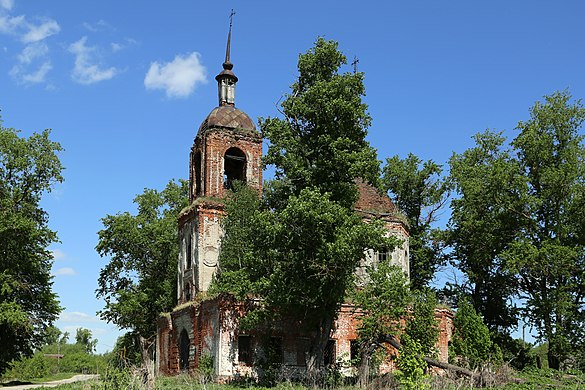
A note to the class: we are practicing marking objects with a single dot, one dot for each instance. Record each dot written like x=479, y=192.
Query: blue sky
x=125, y=85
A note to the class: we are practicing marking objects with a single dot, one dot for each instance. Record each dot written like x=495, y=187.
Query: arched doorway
x=184, y=346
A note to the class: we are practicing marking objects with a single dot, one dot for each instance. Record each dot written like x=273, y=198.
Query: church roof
x=228, y=117
x=372, y=201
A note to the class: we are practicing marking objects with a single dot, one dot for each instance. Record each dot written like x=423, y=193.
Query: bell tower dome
x=227, y=148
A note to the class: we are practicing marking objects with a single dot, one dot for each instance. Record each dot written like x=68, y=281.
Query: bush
x=471, y=344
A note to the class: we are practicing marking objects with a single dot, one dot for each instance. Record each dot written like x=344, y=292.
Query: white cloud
x=58, y=254
x=116, y=46
x=100, y=25
x=33, y=56
x=32, y=51
x=7, y=4
x=65, y=271
x=10, y=25
x=39, y=75
x=39, y=32
x=86, y=71
x=77, y=316
x=177, y=78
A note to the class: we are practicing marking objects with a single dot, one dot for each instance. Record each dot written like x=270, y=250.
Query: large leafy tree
x=300, y=260
x=320, y=143
x=29, y=167
x=518, y=229
x=484, y=221
x=303, y=243
x=420, y=192
x=549, y=254
x=139, y=281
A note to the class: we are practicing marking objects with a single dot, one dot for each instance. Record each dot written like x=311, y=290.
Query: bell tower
x=227, y=148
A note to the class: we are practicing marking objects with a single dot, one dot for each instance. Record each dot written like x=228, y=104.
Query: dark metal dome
x=228, y=117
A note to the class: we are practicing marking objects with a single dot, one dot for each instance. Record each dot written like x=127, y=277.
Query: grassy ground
x=530, y=380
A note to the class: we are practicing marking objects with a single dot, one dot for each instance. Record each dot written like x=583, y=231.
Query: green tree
x=420, y=192
x=83, y=337
x=320, y=143
x=549, y=254
x=421, y=324
x=383, y=301
x=300, y=259
x=29, y=168
x=139, y=282
x=315, y=240
x=484, y=221
x=471, y=343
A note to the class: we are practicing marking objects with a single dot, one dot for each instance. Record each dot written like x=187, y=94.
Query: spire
x=226, y=79
x=227, y=64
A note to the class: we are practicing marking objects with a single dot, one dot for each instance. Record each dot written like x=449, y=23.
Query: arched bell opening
x=234, y=168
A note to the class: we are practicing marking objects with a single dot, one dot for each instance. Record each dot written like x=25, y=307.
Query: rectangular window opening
x=244, y=349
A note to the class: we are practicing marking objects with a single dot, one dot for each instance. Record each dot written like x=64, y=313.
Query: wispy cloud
x=7, y=4
x=65, y=271
x=77, y=316
x=100, y=25
x=58, y=254
x=11, y=24
x=177, y=78
x=32, y=65
x=87, y=70
x=41, y=31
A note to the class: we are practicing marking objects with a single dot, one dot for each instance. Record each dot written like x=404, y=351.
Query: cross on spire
x=227, y=49
x=354, y=64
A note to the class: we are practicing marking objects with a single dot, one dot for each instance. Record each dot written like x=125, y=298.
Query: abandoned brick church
x=228, y=147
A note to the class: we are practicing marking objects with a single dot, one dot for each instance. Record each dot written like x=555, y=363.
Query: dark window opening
x=184, y=345
x=234, y=168
x=303, y=345
x=189, y=253
x=329, y=353
x=382, y=255
x=188, y=292
x=198, y=183
x=244, y=349
x=275, y=353
x=354, y=350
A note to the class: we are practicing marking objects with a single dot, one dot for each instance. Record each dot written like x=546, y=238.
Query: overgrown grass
x=531, y=380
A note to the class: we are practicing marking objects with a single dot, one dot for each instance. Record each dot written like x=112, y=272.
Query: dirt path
x=76, y=378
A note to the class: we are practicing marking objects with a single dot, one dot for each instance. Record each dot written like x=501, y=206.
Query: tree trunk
x=315, y=357
x=364, y=367
x=146, y=348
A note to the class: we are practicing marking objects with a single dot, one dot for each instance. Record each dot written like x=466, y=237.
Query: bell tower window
x=234, y=167
x=197, y=168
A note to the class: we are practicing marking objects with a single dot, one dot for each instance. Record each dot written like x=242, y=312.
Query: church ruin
x=228, y=147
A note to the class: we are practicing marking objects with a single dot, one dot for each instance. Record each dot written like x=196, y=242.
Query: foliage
x=421, y=325
x=76, y=359
x=483, y=222
x=518, y=228
x=83, y=337
x=300, y=260
x=298, y=249
x=139, y=282
x=382, y=302
x=549, y=254
x=206, y=367
x=471, y=344
x=321, y=142
x=411, y=373
x=420, y=192
x=126, y=352
x=29, y=167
